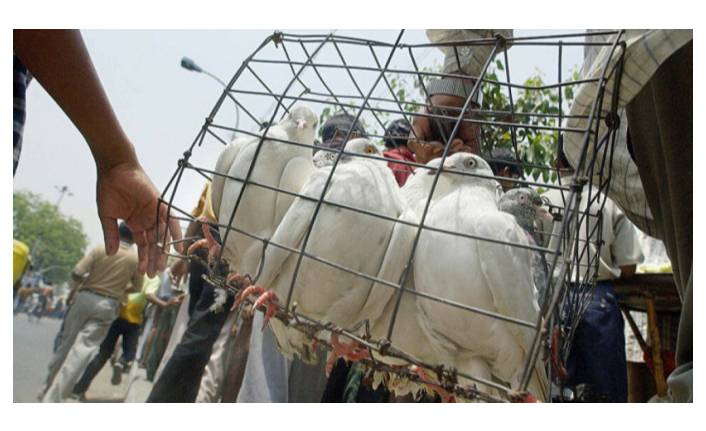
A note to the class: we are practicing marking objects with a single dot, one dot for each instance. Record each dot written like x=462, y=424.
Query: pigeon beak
x=542, y=214
x=301, y=124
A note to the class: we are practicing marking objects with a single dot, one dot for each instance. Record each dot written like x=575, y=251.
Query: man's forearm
x=155, y=300
x=59, y=60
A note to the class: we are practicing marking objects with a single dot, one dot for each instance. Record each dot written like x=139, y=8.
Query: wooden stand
x=650, y=293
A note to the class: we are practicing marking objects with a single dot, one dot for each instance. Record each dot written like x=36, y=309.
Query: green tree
x=56, y=241
x=532, y=106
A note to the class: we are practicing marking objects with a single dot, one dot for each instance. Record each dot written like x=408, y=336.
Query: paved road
x=32, y=350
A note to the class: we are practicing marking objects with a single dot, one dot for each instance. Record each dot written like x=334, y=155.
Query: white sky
x=162, y=106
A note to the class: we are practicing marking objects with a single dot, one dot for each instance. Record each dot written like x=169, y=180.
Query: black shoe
x=117, y=374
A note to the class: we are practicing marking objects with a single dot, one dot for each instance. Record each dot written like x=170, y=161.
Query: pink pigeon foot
x=238, y=281
x=265, y=297
x=208, y=241
x=269, y=297
x=445, y=395
x=352, y=351
x=250, y=290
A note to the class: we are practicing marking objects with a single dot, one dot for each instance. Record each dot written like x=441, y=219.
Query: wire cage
x=315, y=69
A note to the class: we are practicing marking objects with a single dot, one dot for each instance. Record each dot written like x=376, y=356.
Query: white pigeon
x=418, y=186
x=223, y=164
x=351, y=239
x=490, y=276
x=408, y=335
x=279, y=164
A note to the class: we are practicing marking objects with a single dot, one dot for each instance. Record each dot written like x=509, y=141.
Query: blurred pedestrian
x=105, y=282
x=165, y=307
x=597, y=359
x=127, y=326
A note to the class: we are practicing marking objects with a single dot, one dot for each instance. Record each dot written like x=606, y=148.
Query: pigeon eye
x=369, y=150
x=470, y=163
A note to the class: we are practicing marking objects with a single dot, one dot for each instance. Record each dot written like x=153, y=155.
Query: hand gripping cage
x=314, y=69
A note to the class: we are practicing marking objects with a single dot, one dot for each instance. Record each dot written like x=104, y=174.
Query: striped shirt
x=644, y=52
x=20, y=81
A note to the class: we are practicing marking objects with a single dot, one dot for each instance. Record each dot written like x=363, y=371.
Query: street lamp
x=63, y=190
x=191, y=65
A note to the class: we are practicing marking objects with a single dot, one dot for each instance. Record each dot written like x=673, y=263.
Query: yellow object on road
x=20, y=260
x=133, y=310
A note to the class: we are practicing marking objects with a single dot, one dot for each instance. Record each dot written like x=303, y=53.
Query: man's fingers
x=142, y=251
x=167, y=233
x=175, y=230
x=153, y=250
x=111, y=236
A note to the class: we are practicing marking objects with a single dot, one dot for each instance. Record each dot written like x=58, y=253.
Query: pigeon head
x=472, y=164
x=361, y=146
x=300, y=124
x=434, y=164
x=525, y=205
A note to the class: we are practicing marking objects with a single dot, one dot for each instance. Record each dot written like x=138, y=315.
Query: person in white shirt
x=597, y=357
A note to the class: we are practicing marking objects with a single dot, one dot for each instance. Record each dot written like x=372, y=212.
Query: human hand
x=422, y=143
x=124, y=191
x=176, y=300
x=425, y=145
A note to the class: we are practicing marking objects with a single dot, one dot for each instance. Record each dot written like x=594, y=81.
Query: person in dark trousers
x=127, y=326
x=180, y=379
x=120, y=328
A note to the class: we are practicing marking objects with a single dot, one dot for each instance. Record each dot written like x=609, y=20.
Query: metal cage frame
x=567, y=292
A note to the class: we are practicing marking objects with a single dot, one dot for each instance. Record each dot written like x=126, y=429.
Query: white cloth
x=645, y=51
x=180, y=324
x=266, y=377
x=621, y=245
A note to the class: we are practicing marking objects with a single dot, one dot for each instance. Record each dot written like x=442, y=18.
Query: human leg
x=98, y=361
x=98, y=317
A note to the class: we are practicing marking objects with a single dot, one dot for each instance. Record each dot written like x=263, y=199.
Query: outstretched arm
x=58, y=59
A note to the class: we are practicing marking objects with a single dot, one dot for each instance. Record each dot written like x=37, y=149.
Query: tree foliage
x=56, y=241
x=536, y=148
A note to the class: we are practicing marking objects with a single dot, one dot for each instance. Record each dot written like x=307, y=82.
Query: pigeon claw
x=352, y=351
x=250, y=290
x=558, y=367
x=202, y=243
x=269, y=297
x=240, y=282
x=208, y=241
x=445, y=395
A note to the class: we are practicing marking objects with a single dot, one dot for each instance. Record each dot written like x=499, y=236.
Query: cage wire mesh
x=314, y=69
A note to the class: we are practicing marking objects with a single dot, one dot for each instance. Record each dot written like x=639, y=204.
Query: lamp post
x=63, y=190
x=191, y=65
